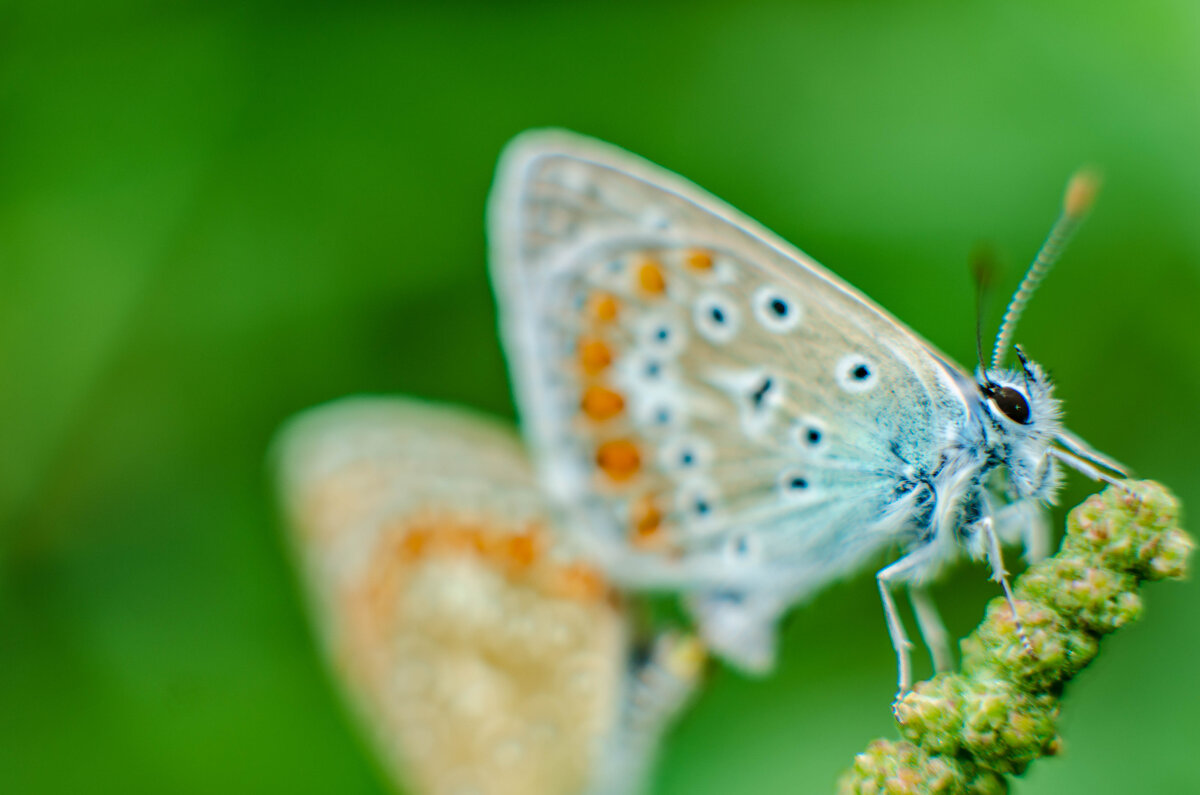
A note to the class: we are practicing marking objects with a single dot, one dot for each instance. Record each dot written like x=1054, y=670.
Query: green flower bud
x=1170, y=559
x=1100, y=600
x=1057, y=650
x=1130, y=529
x=964, y=733
x=1005, y=728
x=900, y=768
x=931, y=714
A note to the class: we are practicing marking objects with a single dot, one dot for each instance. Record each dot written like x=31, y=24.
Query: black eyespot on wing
x=856, y=373
x=776, y=310
x=759, y=395
x=661, y=336
x=794, y=485
x=810, y=434
x=1011, y=403
x=716, y=318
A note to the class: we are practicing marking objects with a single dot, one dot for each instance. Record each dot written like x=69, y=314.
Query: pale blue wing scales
x=732, y=350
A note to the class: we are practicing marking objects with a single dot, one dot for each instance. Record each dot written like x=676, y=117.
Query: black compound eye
x=1012, y=403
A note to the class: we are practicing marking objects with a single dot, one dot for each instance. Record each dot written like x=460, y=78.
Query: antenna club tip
x=1081, y=192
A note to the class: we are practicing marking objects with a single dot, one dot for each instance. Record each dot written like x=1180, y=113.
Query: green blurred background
x=214, y=215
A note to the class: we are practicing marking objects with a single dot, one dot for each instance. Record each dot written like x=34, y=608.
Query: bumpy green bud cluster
x=965, y=732
x=901, y=768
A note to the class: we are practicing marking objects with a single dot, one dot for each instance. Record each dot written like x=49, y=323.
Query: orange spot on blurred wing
x=594, y=355
x=462, y=539
x=647, y=522
x=577, y=581
x=521, y=549
x=619, y=459
x=601, y=403
x=415, y=543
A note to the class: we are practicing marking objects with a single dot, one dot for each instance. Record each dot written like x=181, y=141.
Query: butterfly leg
x=987, y=527
x=909, y=568
x=1087, y=468
x=657, y=688
x=933, y=630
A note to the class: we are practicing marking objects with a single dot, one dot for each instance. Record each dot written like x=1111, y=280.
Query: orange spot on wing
x=594, y=355
x=647, y=522
x=699, y=259
x=521, y=549
x=463, y=539
x=577, y=581
x=619, y=459
x=601, y=403
x=415, y=543
x=651, y=278
x=603, y=307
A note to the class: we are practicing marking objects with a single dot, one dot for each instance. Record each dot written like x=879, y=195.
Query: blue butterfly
x=713, y=412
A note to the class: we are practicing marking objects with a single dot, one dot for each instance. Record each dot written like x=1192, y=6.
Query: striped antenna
x=1077, y=201
x=983, y=271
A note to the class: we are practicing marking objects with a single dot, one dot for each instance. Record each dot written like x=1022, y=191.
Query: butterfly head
x=1023, y=420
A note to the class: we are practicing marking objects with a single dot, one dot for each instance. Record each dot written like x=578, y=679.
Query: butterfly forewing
x=697, y=391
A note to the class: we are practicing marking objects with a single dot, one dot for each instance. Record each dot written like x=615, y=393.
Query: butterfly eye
x=1011, y=403
x=776, y=311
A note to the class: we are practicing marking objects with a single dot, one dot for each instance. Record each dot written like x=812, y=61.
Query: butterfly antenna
x=1077, y=201
x=983, y=271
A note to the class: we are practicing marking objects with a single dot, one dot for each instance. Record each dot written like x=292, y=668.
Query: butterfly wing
x=481, y=657
x=714, y=408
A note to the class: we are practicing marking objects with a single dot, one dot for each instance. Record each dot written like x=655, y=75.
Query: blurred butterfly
x=482, y=653
x=713, y=412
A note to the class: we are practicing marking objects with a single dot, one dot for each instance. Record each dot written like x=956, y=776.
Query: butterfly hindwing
x=697, y=392
x=481, y=656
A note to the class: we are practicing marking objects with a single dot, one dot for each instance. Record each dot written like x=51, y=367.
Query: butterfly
x=482, y=653
x=713, y=413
